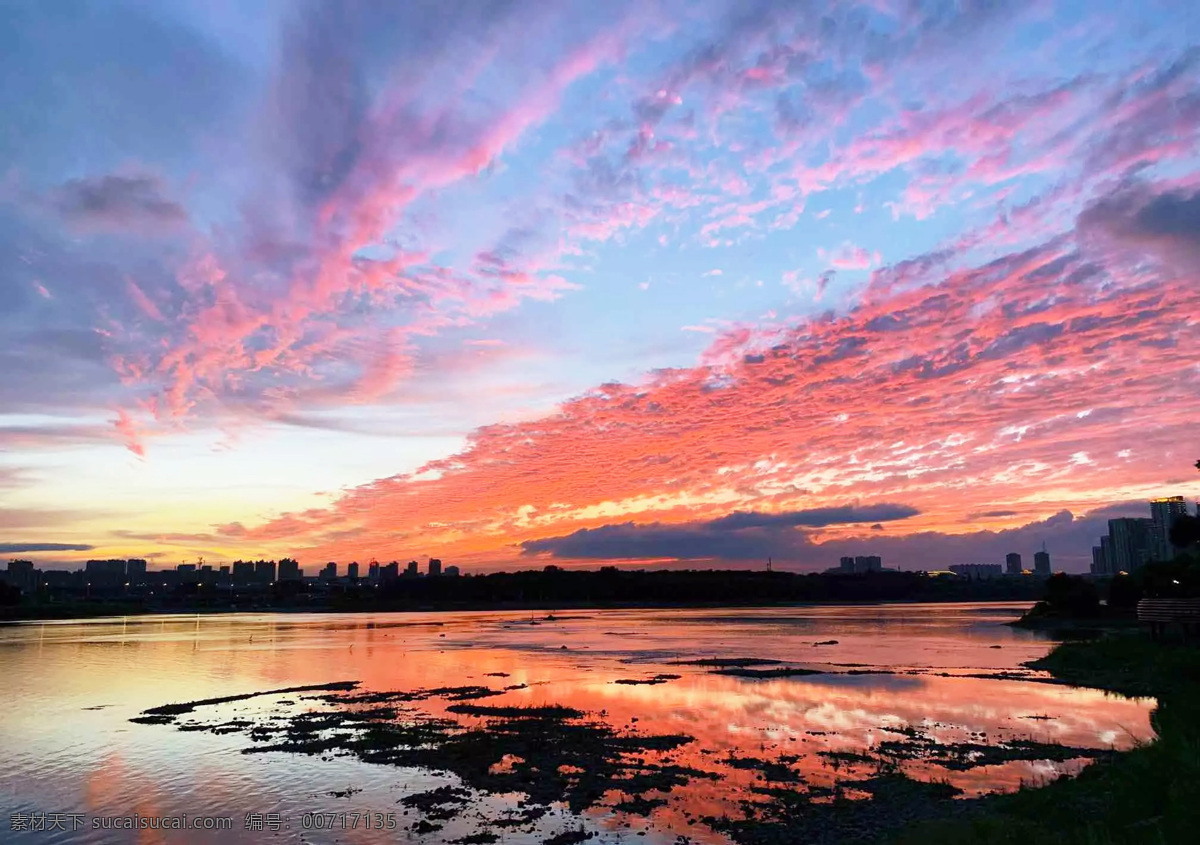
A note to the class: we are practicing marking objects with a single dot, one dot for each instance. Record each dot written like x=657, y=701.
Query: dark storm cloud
x=1175, y=215
x=629, y=541
x=1067, y=537
x=740, y=536
x=1167, y=222
x=814, y=517
x=926, y=550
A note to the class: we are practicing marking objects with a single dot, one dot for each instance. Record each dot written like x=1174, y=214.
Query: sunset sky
x=514, y=283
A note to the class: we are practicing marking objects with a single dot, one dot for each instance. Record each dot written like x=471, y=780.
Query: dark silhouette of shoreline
x=545, y=589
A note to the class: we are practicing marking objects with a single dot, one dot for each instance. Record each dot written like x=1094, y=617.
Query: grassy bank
x=1148, y=795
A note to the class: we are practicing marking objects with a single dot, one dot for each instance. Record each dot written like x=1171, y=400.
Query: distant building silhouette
x=412, y=570
x=373, y=572
x=435, y=567
x=858, y=565
x=1012, y=562
x=135, y=571
x=978, y=571
x=452, y=571
x=329, y=572
x=1163, y=513
x=1106, y=552
x=1132, y=543
x=243, y=571
x=1041, y=562
x=264, y=571
x=352, y=571
x=21, y=575
x=105, y=573
x=289, y=569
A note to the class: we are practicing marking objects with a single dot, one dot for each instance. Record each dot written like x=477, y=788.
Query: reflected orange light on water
x=912, y=677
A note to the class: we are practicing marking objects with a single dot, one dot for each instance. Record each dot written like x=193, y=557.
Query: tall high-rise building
x=1163, y=513
x=105, y=573
x=329, y=573
x=135, y=571
x=1041, y=562
x=1109, y=556
x=1131, y=543
x=435, y=567
x=1012, y=563
x=412, y=570
x=846, y=564
x=289, y=569
x=373, y=571
x=243, y=571
x=1099, y=564
x=352, y=571
x=868, y=563
x=390, y=572
x=21, y=574
x=264, y=571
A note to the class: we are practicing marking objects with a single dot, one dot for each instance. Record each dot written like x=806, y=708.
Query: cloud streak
x=990, y=381
x=25, y=548
x=122, y=203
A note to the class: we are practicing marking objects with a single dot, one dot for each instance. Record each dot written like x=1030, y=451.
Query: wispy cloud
x=902, y=398
x=122, y=203
x=362, y=216
x=26, y=548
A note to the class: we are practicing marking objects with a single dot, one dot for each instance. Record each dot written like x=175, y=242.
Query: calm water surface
x=67, y=745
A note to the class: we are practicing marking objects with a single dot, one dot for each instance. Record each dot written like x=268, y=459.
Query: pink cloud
x=234, y=328
x=849, y=257
x=131, y=433
x=903, y=398
x=143, y=302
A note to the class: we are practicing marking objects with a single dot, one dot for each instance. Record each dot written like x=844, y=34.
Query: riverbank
x=118, y=610
x=1067, y=627
x=1149, y=794
x=550, y=588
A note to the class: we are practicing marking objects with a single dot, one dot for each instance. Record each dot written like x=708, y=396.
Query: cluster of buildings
x=1012, y=567
x=975, y=571
x=857, y=565
x=1132, y=542
x=101, y=577
x=377, y=572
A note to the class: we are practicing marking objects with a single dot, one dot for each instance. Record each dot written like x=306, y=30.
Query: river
x=913, y=678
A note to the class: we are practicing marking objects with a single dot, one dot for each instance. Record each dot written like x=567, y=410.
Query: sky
x=648, y=283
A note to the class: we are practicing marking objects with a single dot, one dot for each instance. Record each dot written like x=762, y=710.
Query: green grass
x=1150, y=794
